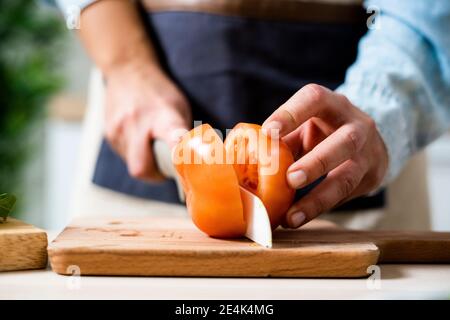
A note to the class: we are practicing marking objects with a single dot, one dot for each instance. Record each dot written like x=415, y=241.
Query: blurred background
x=44, y=76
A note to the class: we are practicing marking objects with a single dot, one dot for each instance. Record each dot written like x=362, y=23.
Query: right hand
x=142, y=104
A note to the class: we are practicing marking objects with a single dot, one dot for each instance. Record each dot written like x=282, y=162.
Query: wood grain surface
x=22, y=246
x=156, y=246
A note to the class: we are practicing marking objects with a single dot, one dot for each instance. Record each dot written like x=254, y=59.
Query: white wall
x=61, y=153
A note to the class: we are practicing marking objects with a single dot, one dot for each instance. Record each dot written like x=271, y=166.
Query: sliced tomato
x=211, y=186
x=212, y=171
x=261, y=164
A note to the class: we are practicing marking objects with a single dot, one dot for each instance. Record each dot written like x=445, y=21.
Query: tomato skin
x=211, y=172
x=255, y=173
x=212, y=191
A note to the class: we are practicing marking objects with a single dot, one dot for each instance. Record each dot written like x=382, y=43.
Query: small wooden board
x=22, y=246
x=156, y=246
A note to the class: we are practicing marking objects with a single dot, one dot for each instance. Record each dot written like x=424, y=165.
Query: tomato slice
x=212, y=190
x=261, y=164
x=211, y=172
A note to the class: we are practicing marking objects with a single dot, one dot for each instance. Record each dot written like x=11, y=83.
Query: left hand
x=329, y=136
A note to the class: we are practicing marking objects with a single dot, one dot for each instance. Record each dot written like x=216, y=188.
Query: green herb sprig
x=7, y=202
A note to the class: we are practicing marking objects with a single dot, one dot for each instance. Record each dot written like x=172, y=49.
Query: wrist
x=115, y=37
x=132, y=63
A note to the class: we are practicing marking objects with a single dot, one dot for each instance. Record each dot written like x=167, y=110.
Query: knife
x=255, y=213
x=163, y=160
x=257, y=219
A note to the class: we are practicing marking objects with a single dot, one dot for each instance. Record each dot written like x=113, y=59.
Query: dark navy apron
x=236, y=69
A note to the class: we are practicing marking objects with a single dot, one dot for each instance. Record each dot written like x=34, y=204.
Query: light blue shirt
x=401, y=77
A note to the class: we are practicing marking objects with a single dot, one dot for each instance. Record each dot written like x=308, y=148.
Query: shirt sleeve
x=401, y=76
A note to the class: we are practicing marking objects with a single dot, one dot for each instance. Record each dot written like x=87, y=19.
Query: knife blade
x=255, y=214
x=257, y=219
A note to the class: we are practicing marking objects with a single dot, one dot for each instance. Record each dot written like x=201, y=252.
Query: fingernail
x=297, y=218
x=272, y=128
x=296, y=178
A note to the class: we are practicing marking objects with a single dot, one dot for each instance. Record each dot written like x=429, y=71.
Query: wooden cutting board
x=22, y=246
x=156, y=246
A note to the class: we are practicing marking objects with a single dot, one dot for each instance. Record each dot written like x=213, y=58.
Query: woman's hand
x=142, y=104
x=329, y=136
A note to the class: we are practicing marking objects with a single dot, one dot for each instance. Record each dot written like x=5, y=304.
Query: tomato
x=212, y=191
x=261, y=165
x=211, y=172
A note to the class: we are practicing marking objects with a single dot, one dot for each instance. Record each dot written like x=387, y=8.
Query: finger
x=310, y=101
x=340, y=146
x=361, y=191
x=337, y=186
x=116, y=136
x=117, y=142
x=306, y=137
x=139, y=156
x=370, y=182
x=294, y=141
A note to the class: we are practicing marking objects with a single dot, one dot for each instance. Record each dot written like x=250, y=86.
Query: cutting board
x=22, y=246
x=157, y=246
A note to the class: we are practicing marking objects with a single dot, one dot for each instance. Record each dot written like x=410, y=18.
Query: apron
x=235, y=68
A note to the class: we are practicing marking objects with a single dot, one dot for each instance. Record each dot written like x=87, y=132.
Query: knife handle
x=163, y=160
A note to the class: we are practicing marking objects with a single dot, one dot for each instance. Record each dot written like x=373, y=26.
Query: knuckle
x=345, y=101
x=113, y=131
x=348, y=184
x=319, y=205
x=110, y=134
x=361, y=165
x=321, y=163
x=131, y=114
x=371, y=181
x=353, y=139
x=370, y=123
x=176, y=101
x=137, y=171
x=375, y=179
x=290, y=115
x=315, y=92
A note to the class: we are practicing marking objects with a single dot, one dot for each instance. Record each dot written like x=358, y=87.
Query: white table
x=397, y=281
